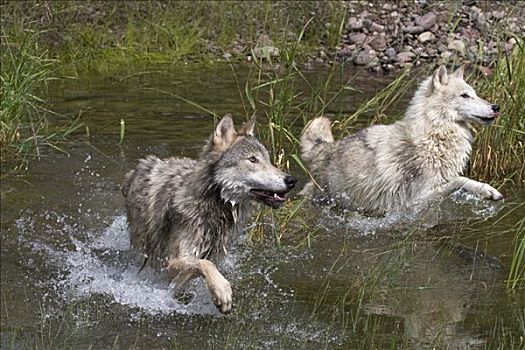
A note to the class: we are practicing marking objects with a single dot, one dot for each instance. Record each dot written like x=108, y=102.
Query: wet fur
x=182, y=213
x=386, y=167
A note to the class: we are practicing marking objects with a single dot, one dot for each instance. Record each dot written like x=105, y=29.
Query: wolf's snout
x=290, y=181
x=495, y=109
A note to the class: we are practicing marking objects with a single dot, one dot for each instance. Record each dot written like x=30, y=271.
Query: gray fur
x=417, y=158
x=182, y=213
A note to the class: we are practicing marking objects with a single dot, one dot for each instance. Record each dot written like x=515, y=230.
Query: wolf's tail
x=315, y=138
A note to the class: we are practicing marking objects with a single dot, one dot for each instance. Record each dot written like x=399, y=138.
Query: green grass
x=108, y=36
x=27, y=125
x=499, y=151
x=23, y=80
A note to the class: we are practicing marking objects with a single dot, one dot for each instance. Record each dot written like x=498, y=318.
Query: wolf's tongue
x=276, y=196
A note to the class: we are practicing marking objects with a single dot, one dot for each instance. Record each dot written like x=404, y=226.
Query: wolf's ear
x=224, y=134
x=440, y=77
x=459, y=72
x=248, y=127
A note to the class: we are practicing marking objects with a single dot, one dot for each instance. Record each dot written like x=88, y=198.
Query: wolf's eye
x=465, y=96
x=253, y=159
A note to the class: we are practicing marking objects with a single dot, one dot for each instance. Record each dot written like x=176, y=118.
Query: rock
x=346, y=50
x=354, y=23
x=266, y=51
x=509, y=45
x=427, y=21
x=364, y=57
x=379, y=43
x=391, y=52
x=264, y=40
x=376, y=27
x=481, y=22
x=413, y=29
x=388, y=67
x=426, y=36
x=238, y=49
x=470, y=33
x=404, y=57
x=357, y=38
x=446, y=55
x=373, y=26
x=457, y=45
x=372, y=65
x=498, y=14
x=227, y=55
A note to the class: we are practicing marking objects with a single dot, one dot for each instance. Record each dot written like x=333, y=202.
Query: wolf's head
x=243, y=169
x=457, y=100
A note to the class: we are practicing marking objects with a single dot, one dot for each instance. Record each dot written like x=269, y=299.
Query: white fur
x=419, y=157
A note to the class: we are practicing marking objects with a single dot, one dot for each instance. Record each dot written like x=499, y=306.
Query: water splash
x=460, y=206
x=104, y=265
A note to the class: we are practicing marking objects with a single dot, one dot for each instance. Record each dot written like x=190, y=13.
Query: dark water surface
x=70, y=281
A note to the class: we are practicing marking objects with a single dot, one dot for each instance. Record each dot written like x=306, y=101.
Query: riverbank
x=104, y=35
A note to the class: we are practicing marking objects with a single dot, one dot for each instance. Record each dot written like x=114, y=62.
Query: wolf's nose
x=495, y=108
x=290, y=181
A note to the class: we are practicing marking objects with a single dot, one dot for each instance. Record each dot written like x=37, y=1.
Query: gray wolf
x=182, y=213
x=417, y=158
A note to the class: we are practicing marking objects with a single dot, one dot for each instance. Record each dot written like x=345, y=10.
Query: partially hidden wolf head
x=452, y=99
x=243, y=169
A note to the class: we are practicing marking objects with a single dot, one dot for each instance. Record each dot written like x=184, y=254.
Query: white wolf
x=419, y=157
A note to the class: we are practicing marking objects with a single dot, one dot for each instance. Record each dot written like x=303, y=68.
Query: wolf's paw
x=221, y=292
x=489, y=192
x=481, y=189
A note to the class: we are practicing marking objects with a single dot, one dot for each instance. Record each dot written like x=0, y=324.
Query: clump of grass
x=500, y=150
x=25, y=120
x=23, y=80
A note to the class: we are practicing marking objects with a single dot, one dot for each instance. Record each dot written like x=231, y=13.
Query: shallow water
x=69, y=279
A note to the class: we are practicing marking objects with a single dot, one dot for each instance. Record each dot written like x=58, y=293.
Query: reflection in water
x=432, y=299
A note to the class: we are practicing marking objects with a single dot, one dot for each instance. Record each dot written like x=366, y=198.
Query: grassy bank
x=105, y=36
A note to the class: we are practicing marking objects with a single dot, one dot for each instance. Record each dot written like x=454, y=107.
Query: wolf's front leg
x=480, y=189
x=184, y=269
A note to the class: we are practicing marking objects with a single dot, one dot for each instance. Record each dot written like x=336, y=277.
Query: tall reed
x=499, y=151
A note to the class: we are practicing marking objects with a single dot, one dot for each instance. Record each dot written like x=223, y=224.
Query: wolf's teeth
x=275, y=195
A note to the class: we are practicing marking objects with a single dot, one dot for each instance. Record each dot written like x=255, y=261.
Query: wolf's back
x=315, y=138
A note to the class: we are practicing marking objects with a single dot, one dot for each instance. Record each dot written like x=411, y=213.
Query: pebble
x=413, y=29
x=364, y=57
x=404, y=57
x=427, y=21
x=457, y=45
x=426, y=36
x=357, y=38
x=389, y=35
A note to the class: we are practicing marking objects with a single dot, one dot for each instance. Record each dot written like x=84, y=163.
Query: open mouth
x=271, y=199
x=486, y=120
